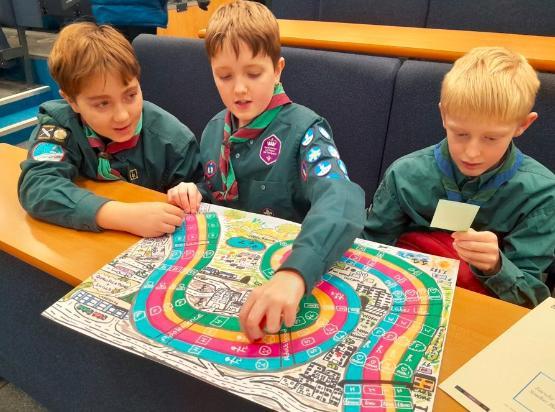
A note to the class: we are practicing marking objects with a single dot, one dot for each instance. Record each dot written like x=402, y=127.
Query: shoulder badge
x=47, y=151
x=52, y=133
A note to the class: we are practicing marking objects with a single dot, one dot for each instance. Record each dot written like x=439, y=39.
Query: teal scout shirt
x=165, y=155
x=521, y=213
x=292, y=171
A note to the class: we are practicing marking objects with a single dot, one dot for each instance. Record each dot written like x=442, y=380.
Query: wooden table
x=72, y=256
x=411, y=42
x=67, y=254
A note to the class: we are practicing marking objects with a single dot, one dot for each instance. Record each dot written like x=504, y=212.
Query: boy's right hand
x=146, y=219
x=186, y=196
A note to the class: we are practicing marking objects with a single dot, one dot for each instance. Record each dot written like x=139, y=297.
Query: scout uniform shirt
x=165, y=154
x=292, y=170
x=521, y=213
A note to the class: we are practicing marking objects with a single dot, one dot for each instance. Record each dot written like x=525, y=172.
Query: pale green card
x=455, y=216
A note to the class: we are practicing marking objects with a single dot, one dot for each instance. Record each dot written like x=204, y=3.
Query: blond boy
x=104, y=130
x=486, y=102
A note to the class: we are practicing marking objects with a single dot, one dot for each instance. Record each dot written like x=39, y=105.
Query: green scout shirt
x=521, y=213
x=292, y=171
x=166, y=154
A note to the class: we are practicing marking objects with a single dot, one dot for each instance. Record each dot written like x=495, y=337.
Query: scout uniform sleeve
x=527, y=252
x=385, y=220
x=183, y=165
x=46, y=189
x=336, y=215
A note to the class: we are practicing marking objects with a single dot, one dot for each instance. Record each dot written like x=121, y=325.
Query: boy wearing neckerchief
x=104, y=130
x=268, y=155
x=486, y=102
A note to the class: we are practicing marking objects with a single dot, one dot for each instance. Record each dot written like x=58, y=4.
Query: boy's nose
x=121, y=114
x=240, y=88
x=472, y=150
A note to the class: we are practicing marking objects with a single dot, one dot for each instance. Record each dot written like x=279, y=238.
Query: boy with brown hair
x=104, y=130
x=486, y=102
x=265, y=154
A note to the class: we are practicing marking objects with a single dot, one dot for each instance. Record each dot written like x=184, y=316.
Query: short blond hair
x=491, y=83
x=244, y=21
x=83, y=50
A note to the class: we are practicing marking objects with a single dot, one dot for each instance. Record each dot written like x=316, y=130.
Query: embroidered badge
x=133, y=174
x=342, y=166
x=334, y=176
x=309, y=135
x=45, y=151
x=313, y=154
x=267, y=211
x=304, y=171
x=60, y=135
x=333, y=151
x=50, y=132
x=46, y=132
x=322, y=168
x=210, y=169
x=324, y=132
x=270, y=150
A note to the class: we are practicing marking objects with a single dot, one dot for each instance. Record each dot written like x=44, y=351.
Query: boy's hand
x=186, y=196
x=479, y=249
x=147, y=219
x=271, y=303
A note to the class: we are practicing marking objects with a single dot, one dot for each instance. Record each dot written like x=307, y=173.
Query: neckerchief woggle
x=487, y=189
x=230, y=189
x=105, y=170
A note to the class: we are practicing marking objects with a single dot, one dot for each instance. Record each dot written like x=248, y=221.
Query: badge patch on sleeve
x=333, y=151
x=52, y=133
x=313, y=154
x=46, y=151
x=322, y=168
x=324, y=132
x=309, y=135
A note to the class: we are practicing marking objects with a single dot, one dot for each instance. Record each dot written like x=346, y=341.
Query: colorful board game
x=370, y=337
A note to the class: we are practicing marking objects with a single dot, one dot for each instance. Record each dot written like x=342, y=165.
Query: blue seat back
x=296, y=9
x=415, y=121
x=504, y=16
x=7, y=15
x=386, y=12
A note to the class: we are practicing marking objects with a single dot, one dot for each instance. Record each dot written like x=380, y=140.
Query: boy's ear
x=70, y=101
x=526, y=123
x=279, y=68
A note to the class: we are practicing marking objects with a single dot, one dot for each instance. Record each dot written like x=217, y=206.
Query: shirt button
x=237, y=155
x=251, y=141
x=263, y=187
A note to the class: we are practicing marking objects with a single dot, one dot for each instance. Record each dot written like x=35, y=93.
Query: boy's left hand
x=186, y=196
x=479, y=249
x=271, y=303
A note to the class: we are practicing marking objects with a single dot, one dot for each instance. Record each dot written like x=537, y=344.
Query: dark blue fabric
x=176, y=76
x=67, y=371
x=415, y=121
x=353, y=92
x=296, y=9
x=386, y=12
x=131, y=12
x=504, y=16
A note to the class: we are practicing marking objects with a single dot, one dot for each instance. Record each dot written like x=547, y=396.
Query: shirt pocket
x=272, y=198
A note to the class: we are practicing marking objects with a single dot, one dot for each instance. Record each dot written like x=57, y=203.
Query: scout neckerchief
x=230, y=189
x=487, y=188
x=105, y=171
